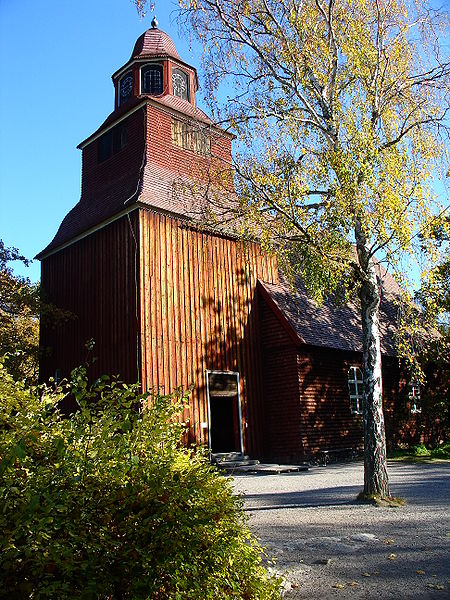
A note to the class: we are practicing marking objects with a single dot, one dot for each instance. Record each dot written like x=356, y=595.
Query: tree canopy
x=341, y=111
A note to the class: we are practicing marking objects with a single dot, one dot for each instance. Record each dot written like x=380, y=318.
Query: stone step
x=230, y=461
x=237, y=464
x=219, y=457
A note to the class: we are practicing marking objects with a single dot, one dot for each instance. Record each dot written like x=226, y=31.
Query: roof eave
x=284, y=322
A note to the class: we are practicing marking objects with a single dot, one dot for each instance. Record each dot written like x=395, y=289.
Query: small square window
x=112, y=141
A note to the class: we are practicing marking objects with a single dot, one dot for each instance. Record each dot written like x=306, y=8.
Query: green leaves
x=107, y=504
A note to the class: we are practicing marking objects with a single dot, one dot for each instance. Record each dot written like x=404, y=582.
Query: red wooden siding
x=283, y=440
x=94, y=279
x=326, y=417
x=198, y=313
x=307, y=404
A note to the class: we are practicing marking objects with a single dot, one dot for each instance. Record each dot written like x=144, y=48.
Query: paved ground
x=332, y=547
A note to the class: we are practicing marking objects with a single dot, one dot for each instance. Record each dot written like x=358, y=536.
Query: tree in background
x=19, y=317
x=434, y=294
x=434, y=297
x=340, y=108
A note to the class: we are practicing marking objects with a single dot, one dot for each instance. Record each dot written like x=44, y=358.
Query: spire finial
x=154, y=22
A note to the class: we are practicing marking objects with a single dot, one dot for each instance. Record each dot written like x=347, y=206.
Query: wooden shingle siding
x=199, y=312
x=94, y=279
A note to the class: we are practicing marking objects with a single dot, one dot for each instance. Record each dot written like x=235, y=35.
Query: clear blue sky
x=56, y=59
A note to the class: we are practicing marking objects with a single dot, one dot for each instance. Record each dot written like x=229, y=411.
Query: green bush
x=441, y=451
x=106, y=504
x=420, y=450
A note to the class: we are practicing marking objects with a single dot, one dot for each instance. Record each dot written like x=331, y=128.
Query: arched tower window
x=180, y=84
x=152, y=79
x=125, y=87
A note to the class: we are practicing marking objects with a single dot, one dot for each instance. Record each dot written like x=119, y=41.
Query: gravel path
x=331, y=547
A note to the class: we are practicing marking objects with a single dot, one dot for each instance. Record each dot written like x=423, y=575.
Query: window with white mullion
x=414, y=397
x=355, y=389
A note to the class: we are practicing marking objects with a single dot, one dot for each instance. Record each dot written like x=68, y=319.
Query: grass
x=377, y=500
x=421, y=453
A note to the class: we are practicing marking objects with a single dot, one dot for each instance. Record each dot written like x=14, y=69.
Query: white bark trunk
x=375, y=470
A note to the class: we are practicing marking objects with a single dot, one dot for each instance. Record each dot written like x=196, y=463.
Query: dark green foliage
x=19, y=314
x=21, y=304
x=420, y=452
x=107, y=505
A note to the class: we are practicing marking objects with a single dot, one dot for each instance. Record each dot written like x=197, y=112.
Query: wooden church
x=171, y=304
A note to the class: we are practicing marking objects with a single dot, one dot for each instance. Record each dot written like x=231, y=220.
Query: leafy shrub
x=420, y=450
x=106, y=504
x=441, y=451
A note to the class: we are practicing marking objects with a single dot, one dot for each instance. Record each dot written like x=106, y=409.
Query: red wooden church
x=171, y=304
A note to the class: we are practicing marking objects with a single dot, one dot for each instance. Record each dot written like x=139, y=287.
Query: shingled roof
x=328, y=325
x=154, y=43
x=158, y=188
x=180, y=105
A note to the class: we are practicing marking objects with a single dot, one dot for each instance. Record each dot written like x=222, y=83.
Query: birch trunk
x=375, y=471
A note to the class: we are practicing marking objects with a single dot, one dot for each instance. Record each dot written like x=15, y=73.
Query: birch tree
x=340, y=109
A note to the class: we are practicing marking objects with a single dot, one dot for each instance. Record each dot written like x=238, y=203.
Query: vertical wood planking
x=198, y=302
x=94, y=280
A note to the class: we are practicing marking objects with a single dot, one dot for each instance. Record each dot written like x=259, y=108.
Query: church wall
x=282, y=434
x=199, y=311
x=94, y=279
x=306, y=398
x=326, y=418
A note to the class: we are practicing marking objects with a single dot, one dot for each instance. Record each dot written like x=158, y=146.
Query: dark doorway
x=225, y=431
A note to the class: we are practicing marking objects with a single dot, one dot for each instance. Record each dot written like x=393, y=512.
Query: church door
x=224, y=412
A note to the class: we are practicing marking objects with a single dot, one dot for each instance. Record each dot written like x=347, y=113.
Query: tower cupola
x=155, y=69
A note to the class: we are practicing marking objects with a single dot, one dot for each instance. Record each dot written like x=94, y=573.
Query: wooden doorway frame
x=216, y=372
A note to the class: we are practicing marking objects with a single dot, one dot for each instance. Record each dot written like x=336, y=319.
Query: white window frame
x=355, y=379
x=414, y=397
x=186, y=77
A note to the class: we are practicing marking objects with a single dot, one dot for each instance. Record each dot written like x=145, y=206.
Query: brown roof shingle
x=154, y=43
x=328, y=325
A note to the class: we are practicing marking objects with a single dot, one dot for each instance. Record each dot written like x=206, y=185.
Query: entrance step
x=272, y=469
x=232, y=460
x=236, y=462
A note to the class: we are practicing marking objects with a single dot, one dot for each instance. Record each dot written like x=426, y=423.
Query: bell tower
x=153, y=146
x=154, y=142
x=168, y=302
x=154, y=69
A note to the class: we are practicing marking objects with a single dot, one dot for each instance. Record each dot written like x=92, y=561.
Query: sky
x=56, y=59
